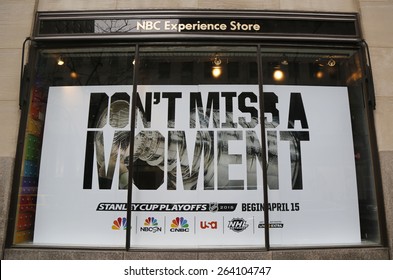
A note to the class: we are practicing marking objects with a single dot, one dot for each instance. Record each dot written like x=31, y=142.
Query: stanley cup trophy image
x=149, y=154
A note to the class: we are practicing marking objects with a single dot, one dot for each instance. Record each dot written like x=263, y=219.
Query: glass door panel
x=197, y=149
x=320, y=176
x=71, y=190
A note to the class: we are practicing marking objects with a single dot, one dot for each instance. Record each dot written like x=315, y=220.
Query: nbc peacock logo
x=119, y=223
x=151, y=225
x=151, y=222
x=179, y=224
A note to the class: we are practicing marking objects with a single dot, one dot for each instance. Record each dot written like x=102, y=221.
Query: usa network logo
x=151, y=225
x=119, y=223
x=179, y=224
x=209, y=225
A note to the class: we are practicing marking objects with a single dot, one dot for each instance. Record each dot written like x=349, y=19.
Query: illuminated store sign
x=255, y=24
x=178, y=26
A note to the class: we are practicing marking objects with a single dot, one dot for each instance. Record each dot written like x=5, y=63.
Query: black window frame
x=41, y=40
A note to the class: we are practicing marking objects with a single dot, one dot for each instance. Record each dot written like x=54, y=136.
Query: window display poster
x=197, y=167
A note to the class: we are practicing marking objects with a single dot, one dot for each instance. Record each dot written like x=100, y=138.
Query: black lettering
x=197, y=112
x=177, y=152
x=225, y=159
x=245, y=109
x=89, y=157
x=95, y=141
x=171, y=96
x=157, y=98
x=272, y=167
x=253, y=155
x=145, y=111
x=271, y=100
x=98, y=110
x=229, y=109
x=296, y=111
x=296, y=159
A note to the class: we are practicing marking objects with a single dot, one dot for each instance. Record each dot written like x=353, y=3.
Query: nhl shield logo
x=213, y=206
x=237, y=224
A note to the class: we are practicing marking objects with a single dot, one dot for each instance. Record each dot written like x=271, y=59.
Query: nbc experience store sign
x=196, y=25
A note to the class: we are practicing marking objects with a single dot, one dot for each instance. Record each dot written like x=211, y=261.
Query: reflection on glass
x=328, y=67
x=193, y=66
x=207, y=99
x=168, y=167
x=60, y=67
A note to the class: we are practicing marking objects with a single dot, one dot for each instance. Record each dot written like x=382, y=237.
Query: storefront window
x=322, y=191
x=67, y=92
x=198, y=131
x=164, y=144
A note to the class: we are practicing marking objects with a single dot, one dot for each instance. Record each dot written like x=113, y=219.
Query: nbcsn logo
x=179, y=225
x=151, y=225
x=119, y=223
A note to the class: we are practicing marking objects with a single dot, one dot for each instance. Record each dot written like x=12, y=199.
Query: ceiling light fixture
x=319, y=74
x=331, y=62
x=60, y=61
x=74, y=75
x=216, y=69
x=284, y=61
x=278, y=75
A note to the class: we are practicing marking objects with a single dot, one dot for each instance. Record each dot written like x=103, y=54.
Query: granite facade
x=16, y=21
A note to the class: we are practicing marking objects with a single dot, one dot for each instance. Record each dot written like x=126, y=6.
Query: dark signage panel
x=302, y=25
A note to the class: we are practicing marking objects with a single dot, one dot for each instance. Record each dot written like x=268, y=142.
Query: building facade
x=189, y=75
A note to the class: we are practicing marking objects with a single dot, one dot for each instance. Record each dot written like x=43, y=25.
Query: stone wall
x=16, y=21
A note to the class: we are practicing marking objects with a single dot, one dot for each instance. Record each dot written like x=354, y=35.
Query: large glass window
x=188, y=134
x=198, y=132
x=318, y=130
x=56, y=205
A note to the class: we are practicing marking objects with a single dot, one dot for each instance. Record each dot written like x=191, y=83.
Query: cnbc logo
x=179, y=224
x=151, y=225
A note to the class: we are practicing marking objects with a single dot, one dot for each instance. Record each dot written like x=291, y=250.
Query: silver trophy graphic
x=150, y=146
